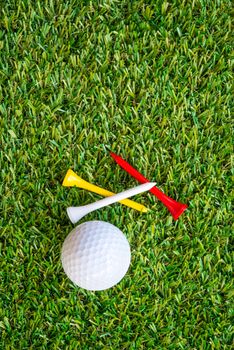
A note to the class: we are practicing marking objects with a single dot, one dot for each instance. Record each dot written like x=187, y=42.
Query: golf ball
x=96, y=255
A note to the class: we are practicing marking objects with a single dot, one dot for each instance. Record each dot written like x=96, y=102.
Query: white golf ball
x=96, y=255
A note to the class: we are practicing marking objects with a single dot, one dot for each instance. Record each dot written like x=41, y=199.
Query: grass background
x=150, y=80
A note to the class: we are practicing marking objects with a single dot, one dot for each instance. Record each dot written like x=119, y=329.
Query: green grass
x=150, y=80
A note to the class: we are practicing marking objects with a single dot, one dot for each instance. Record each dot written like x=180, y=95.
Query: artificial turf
x=150, y=80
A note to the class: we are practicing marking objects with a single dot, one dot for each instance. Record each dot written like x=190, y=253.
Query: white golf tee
x=76, y=213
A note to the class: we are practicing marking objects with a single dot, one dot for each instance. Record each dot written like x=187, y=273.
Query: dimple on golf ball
x=96, y=255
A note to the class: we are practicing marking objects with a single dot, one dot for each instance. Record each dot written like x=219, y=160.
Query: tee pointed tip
x=113, y=155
